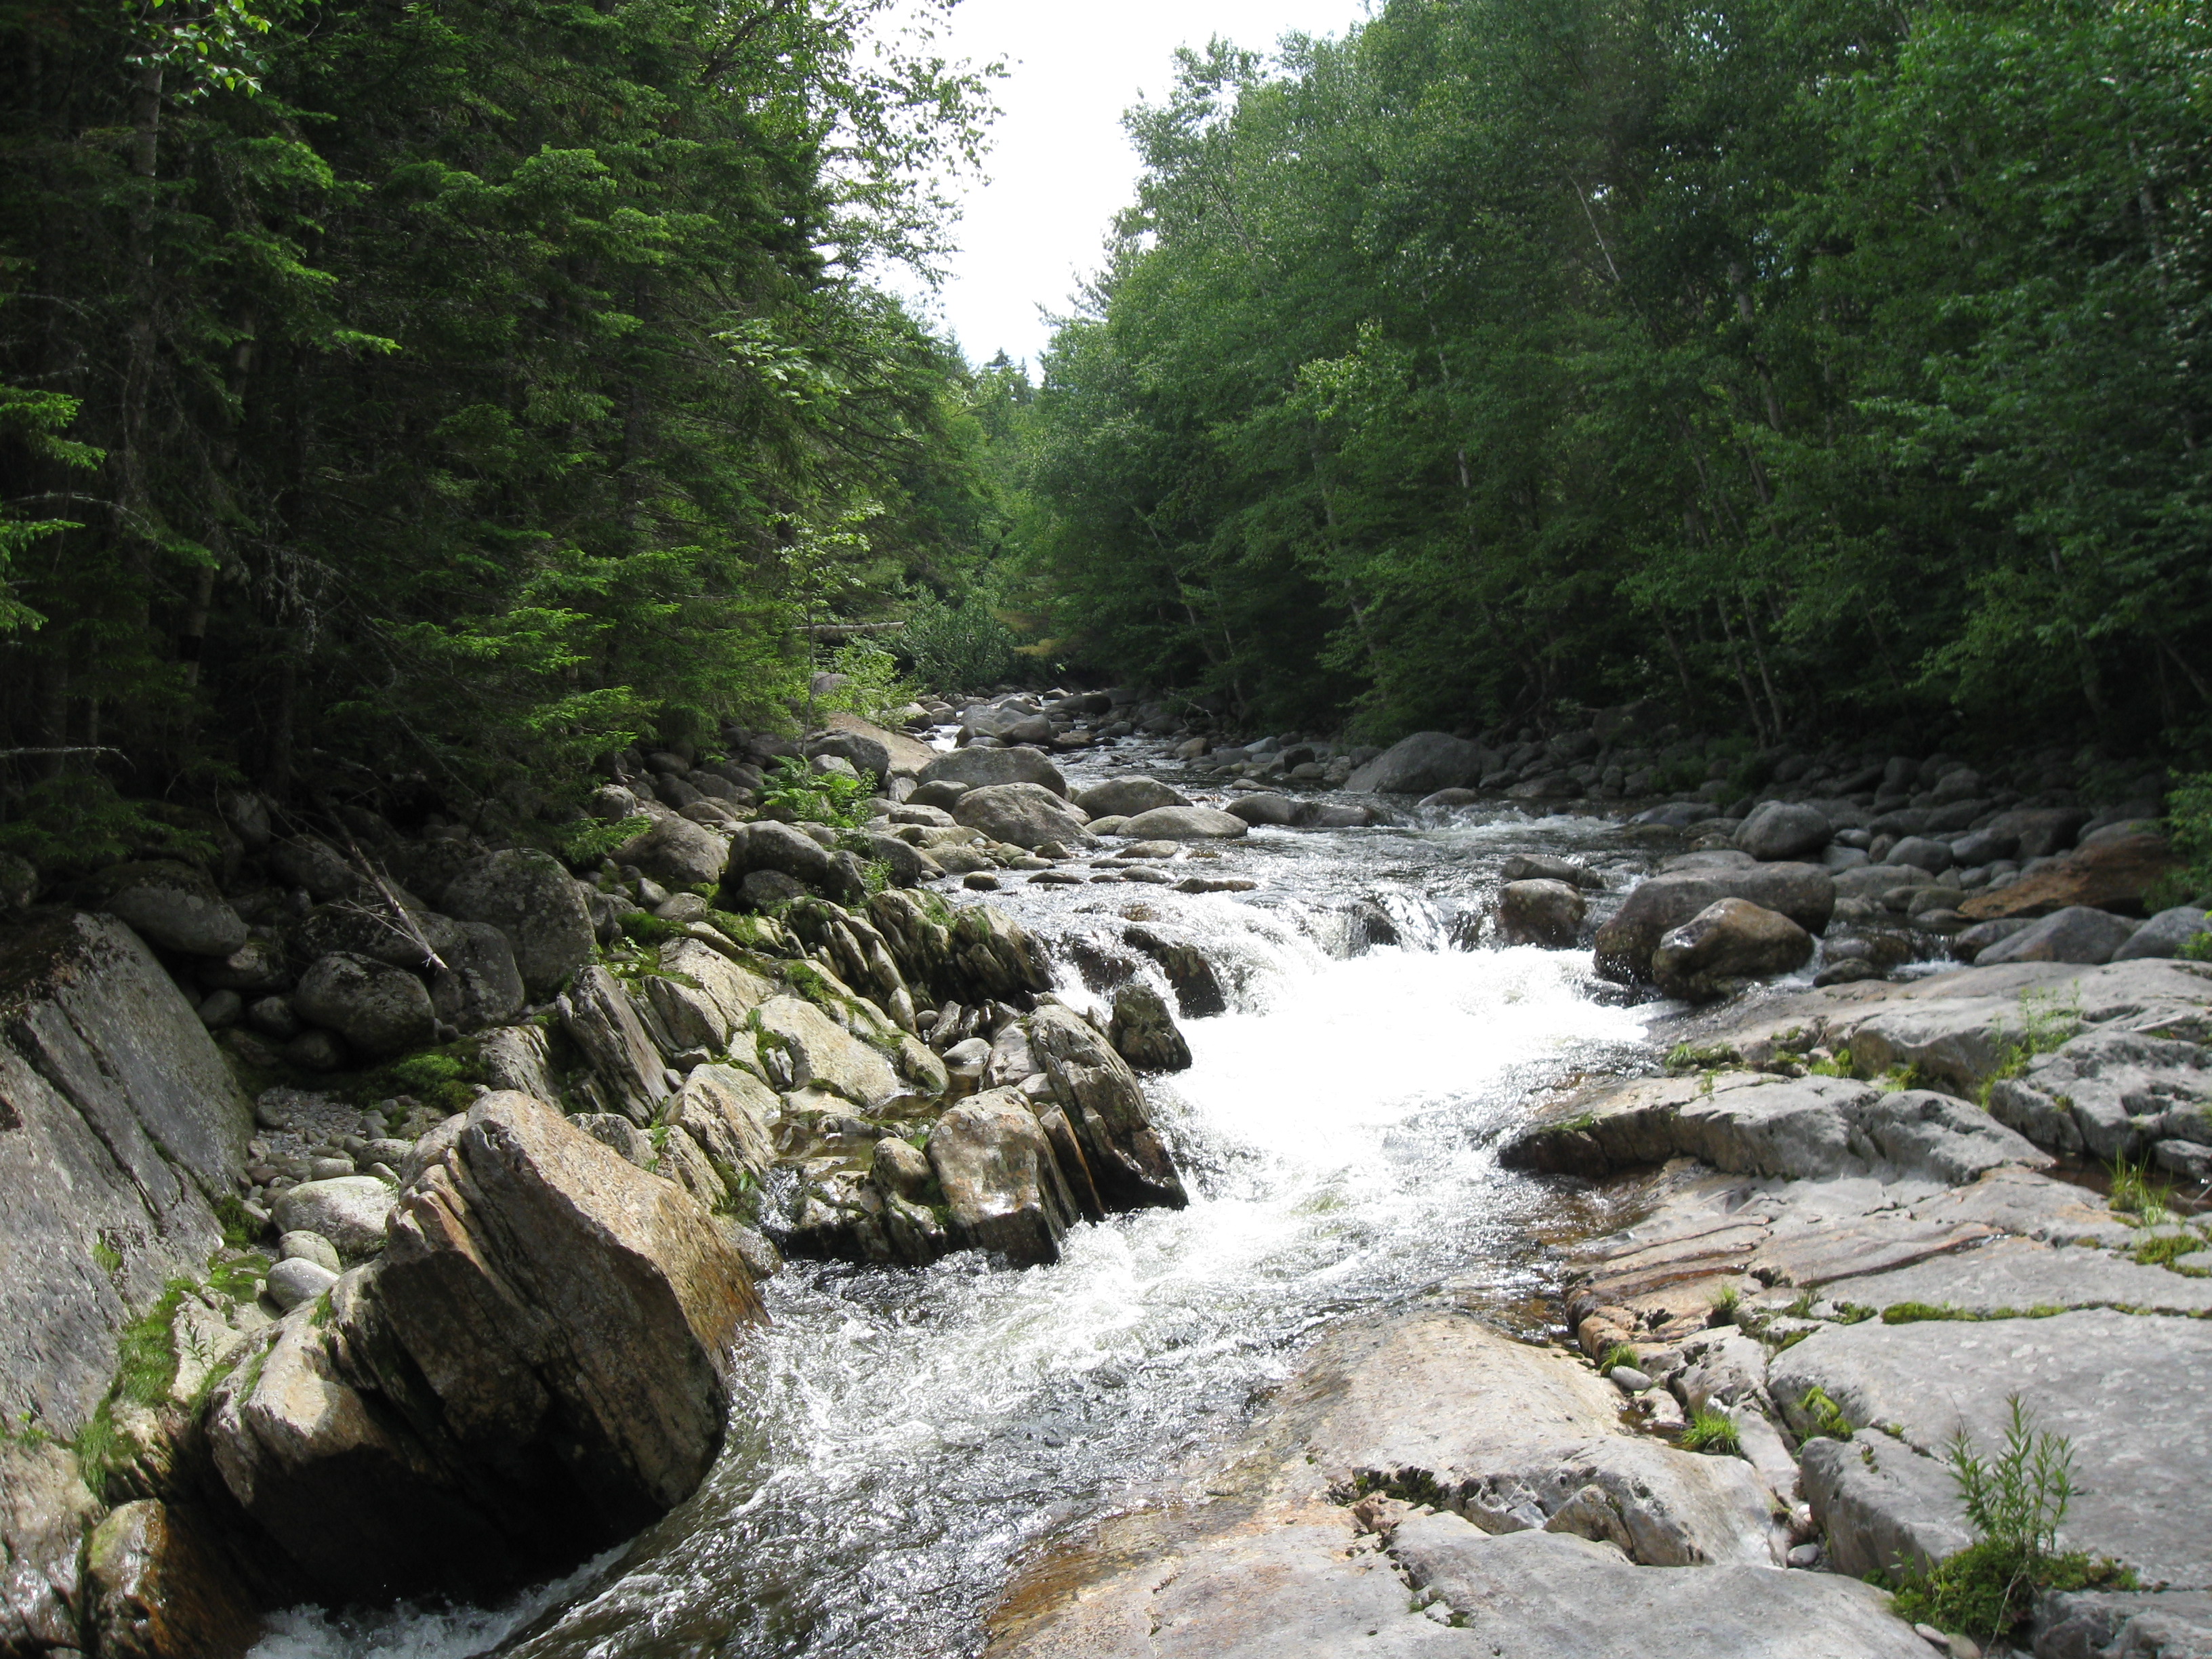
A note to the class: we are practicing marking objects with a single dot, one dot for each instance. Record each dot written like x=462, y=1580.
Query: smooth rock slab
x=2132, y=1392
x=2017, y=1274
x=1185, y=824
x=1881, y=1507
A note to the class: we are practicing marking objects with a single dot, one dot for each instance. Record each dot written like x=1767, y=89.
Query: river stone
x=172, y=905
x=350, y=1210
x=979, y=768
x=1335, y=815
x=378, y=1009
x=309, y=862
x=2113, y=875
x=824, y=1055
x=702, y=997
x=1184, y=823
x=1125, y=1159
x=1803, y=892
x=1421, y=765
x=866, y=755
x=1264, y=807
x=1784, y=829
x=1127, y=797
x=1549, y=866
x=309, y=1247
x=1922, y=853
x=371, y=929
x=676, y=853
x=1542, y=912
x=295, y=1280
x=2041, y=831
x=600, y=1018
x=940, y=793
x=482, y=987
x=1969, y=946
x=1143, y=1032
x=2131, y=1392
x=2168, y=934
x=1001, y=1180
x=2074, y=935
x=158, y=1587
x=1020, y=814
x=779, y=849
x=528, y=897
x=1727, y=943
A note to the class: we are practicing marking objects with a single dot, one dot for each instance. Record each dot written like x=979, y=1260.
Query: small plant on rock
x=2015, y=1502
x=1711, y=1430
x=1827, y=1416
x=1618, y=1355
x=1725, y=1306
x=2135, y=1193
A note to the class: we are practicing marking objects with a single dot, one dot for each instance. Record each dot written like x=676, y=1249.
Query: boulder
x=1922, y=852
x=1729, y=942
x=1784, y=829
x=676, y=853
x=766, y=846
x=1335, y=815
x=1547, y=866
x=310, y=862
x=1127, y=797
x=379, y=1009
x=1143, y=1032
x=822, y=1055
x=939, y=795
x=600, y=1018
x=1185, y=824
x=536, y=1369
x=2075, y=934
x=2168, y=934
x=157, y=1587
x=348, y=1211
x=172, y=905
x=728, y=1113
x=1020, y=814
x=701, y=996
x=528, y=897
x=1002, y=1182
x=1803, y=892
x=1545, y=912
x=979, y=768
x=406, y=936
x=46, y=1508
x=868, y=757
x=1421, y=765
x=2113, y=875
x=1265, y=808
x=906, y=755
x=2040, y=832
x=1122, y=1156
x=482, y=985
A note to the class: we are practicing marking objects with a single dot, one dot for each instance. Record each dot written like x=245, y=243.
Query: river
x=899, y=1436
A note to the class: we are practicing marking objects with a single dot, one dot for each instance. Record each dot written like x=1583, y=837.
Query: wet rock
x=1185, y=824
x=1198, y=990
x=531, y=899
x=1422, y=764
x=1265, y=808
x=1784, y=829
x=2113, y=875
x=46, y=1508
x=1334, y=815
x=1127, y=798
x=601, y=1020
x=378, y=1009
x=174, y=905
x=992, y=957
x=1020, y=814
x=2166, y=935
x=1125, y=1160
x=1001, y=1181
x=350, y=1210
x=1542, y=912
x=1548, y=866
x=1726, y=944
x=1803, y=892
x=156, y=1590
x=2075, y=934
x=1144, y=1033
x=979, y=768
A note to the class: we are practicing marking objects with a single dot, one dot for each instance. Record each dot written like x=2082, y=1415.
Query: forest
x=1806, y=367
x=461, y=391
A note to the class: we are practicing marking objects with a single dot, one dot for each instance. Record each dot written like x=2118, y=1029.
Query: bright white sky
x=1061, y=166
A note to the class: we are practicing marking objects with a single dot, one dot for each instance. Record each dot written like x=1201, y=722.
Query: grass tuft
x=1713, y=1432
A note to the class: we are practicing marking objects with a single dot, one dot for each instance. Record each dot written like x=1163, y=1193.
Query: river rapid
x=898, y=1437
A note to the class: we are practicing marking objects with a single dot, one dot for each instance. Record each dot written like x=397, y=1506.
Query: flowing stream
x=899, y=1436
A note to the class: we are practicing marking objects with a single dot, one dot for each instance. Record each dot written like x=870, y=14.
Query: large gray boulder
x=822, y=1055
x=536, y=1368
x=406, y=936
x=1784, y=829
x=1020, y=814
x=1421, y=765
x=348, y=1211
x=1727, y=943
x=482, y=985
x=1803, y=892
x=626, y=1064
x=172, y=905
x=1126, y=798
x=1144, y=1033
x=2168, y=934
x=1540, y=912
x=1185, y=824
x=676, y=853
x=979, y=768
x=2041, y=831
x=1002, y=1182
x=703, y=996
x=2076, y=933
x=1264, y=807
x=528, y=897
x=380, y=1011
x=1126, y=1162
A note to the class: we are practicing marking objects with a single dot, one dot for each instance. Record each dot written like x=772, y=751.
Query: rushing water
x=898, y=1437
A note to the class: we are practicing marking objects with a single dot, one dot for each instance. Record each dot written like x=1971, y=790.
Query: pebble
x=1628, y=1379
x=309, y=1247
x=329, y=1169
x=1150, y=876
x=296, y=1280
x=1804, y=1555
x=979, y=881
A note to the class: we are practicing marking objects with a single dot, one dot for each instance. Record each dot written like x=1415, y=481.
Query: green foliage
x=1827, y=1416
x=2166, y=1249
x=1917, y=1313
x=1711, y=1430
x=2015, y=1504
x=958, y=648
x=1725, y=1306
x=2046, y=1024
x=586, y=842
x=2136, y=1192
x=1690, y=1057
x=107, y=1256
x=813, y=797
x=438, y=1077
x=2189, y=827
x=76, y=821
x=1619, y=1354
x=1839, y=1065
x=872, y=689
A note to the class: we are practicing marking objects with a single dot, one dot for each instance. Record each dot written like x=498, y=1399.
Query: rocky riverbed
x=1220, y=1227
